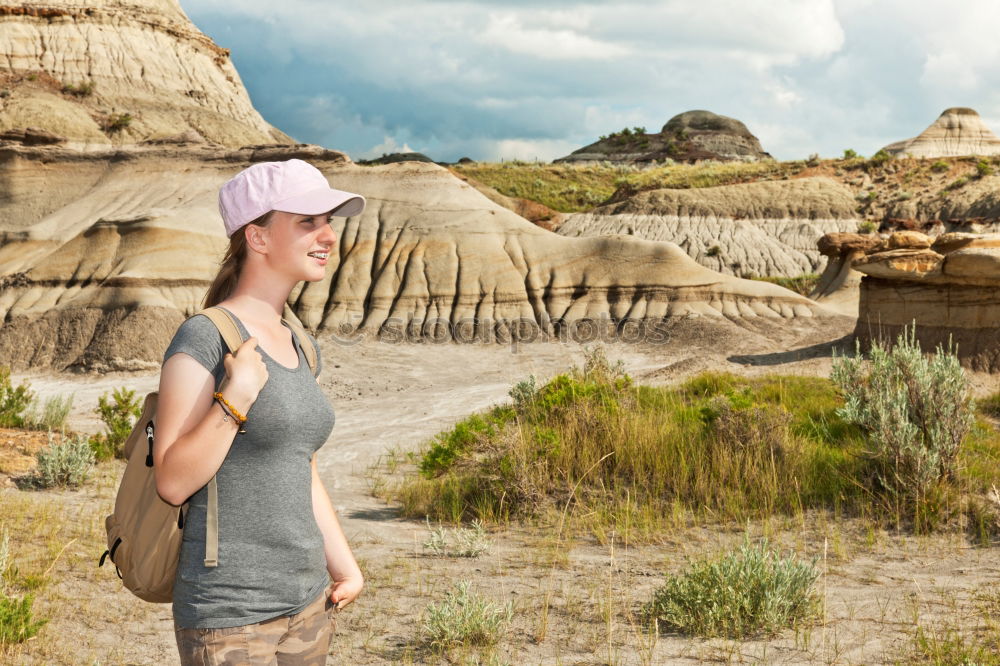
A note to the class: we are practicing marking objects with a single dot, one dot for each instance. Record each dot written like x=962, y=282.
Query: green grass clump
x=749, y=591
x=990, y=405
x=51, y=416
x=16, y=622
x=800, y=284
x=591, y=444
x=593, y=452
x=466, y=618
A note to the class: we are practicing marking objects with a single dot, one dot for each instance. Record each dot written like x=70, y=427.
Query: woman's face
x=290, y=240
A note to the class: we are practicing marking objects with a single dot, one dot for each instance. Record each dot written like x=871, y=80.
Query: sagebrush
x=465, y=617
x=745, y=592
x=915, y=410
x=66, y=463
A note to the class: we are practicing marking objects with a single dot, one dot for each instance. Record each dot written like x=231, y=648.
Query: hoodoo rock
x=759, y=229
x=949, y=287
x=691, y=136
x=839, y=284
x=957, y=131
x=112, y=72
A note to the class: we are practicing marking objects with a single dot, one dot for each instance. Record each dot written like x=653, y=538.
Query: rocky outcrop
x=117, y=72
x=759, y=229
x=98, y=276
x=957, y=131
x=948, y=286
x=691, y=136
x=838, y=286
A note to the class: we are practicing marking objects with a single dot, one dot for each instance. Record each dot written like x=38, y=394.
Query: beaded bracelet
x=228, y=407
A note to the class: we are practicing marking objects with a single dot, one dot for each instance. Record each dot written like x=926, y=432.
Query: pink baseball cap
x=292, y=186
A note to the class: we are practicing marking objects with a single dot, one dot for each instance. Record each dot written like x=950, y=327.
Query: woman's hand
x=246, y=373
x=346, y=590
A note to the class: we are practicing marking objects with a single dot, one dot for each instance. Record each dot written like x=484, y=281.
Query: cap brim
x=342, y=204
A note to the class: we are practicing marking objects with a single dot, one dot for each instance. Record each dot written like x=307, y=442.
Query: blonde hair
x=232, y=264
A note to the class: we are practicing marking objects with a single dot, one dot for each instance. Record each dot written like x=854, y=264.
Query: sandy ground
x=399, y=395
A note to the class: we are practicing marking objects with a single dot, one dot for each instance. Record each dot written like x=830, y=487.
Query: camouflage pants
x=301, y=639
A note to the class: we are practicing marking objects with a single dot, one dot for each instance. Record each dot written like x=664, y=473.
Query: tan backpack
x=144, y=532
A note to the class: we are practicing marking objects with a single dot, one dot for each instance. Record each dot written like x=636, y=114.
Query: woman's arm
x=340, y=562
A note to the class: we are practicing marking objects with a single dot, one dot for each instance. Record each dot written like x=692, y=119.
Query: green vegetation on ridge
x=591, y=447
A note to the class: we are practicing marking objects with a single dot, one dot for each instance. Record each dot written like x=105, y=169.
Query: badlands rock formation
x=119, y=71
x=957, y=131
x=838, y=286
x=101, y=264
x=688, y=137
x=950, y=286
x=760, y=229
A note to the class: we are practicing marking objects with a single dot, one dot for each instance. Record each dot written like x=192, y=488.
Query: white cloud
x=545, y=150
x=387, y=147
x=507, y=31
x=525, y=80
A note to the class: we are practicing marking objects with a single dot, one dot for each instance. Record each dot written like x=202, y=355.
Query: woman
x=269, y=599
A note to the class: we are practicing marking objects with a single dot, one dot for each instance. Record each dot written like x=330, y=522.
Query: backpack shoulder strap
x=227, y=327
x=231, y=335
x=304, y=342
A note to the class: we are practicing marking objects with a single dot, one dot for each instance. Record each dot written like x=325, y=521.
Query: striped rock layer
x=99, y=265
x=753, y=229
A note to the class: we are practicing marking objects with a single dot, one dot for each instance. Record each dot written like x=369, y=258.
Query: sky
x=538, y=79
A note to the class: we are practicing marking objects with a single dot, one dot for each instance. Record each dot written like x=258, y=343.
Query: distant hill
x=389, y=158
x=689, y=137
x=957, y=131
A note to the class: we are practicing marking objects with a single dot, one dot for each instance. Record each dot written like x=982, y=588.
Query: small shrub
x=119, y=418
x=939, y=166
x=713, y=251
x=915, y=412
x=597, y=366
x=16, y=622
x=983, y=168
x=881, y=157
x=116, y=122
x=742, y=593
x=466, y=618
x=957, y=183
x=813, y=160
x=52, y=416
x=850, y=154
x=65, y=464
x=904, y=196
x=13, y=400
x=85, y=89
x=523, y=392
x=867, y=227
x=472, y=541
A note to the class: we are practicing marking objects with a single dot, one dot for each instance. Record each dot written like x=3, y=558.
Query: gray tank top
x=271, y=556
